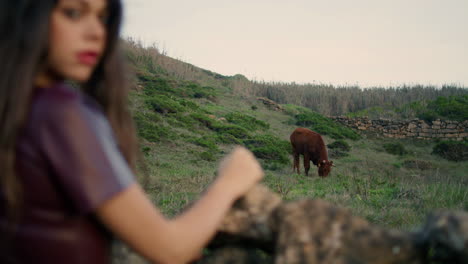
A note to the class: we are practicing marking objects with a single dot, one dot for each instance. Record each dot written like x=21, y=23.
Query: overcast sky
x=365, y=42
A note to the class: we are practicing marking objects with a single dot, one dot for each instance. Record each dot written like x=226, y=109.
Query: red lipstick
x=88, y=57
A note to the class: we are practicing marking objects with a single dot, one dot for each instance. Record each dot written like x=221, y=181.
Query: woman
x=67, y=156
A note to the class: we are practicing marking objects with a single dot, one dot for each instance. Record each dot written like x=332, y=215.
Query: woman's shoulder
x=60, y=101
x=55, y=97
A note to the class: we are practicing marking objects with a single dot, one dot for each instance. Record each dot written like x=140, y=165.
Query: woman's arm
x=135, y=220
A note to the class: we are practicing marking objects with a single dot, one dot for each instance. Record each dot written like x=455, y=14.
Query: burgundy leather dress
x=68, y=163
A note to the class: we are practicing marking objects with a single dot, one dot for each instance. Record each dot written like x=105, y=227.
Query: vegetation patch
x=207, y=155
x=156, y=85
x=325, y=126
x=452, y=150
x=164, y=104
x=338, y=149
x=418, y=164
x=307, y=118
x=451, y=107
x=246, y=121
x=148, y=127
x=340, y=144
x=195, y=90
x=395, y=149
x=269, y=148
x=234, y=130
x=204, y=120
x=206, y=142
x=227, y=139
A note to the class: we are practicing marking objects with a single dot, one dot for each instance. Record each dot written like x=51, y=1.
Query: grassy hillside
x=186, y=125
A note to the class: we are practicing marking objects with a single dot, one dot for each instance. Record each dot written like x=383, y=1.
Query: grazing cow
x=310, y=144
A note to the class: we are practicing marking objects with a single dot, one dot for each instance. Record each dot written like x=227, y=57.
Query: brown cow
x=310, y=144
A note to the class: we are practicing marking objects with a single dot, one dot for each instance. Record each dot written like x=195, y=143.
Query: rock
x=270, y=103
x=445, y=236
x=315, y=231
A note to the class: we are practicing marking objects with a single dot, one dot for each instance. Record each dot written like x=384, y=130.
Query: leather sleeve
x=79, y=145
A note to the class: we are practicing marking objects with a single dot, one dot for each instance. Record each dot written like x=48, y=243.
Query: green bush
x=207, y=155
x=180, y=120
x=340, y=144
x=206, y=142
x=227, y=139
x=195, y=90
x=325, y=126
x=246, y=121
x=145, y=150
x=293, y=110
x=452, y=150
x=164, y=104
x=189, y=105
x=156, y=85
x=395, y=149
x=270, y=148
x=149, y=129
x=451, y=107
x=428, y=115
x=204, y=120
x=234, y=130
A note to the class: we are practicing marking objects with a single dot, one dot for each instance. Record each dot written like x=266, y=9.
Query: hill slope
x=186, y=125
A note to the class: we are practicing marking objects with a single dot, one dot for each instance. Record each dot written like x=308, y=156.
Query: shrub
x=149, y=129
x=246, y=121
x=145, y=150
x=164, y=104
x=325, y=126
x=180, y=120
x=204, y=120
x=156, y=85
x=234, y=130
x=452, y=150
x=207, y=155
x=340, y=144
x=270, y=148
x=450, y=107
x=195, y=90
x=428, y=116
x=339, y=148
x=206, y=142
x=395, y=149
x=227, y=139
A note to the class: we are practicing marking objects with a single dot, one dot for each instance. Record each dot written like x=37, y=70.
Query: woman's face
x=77, y=38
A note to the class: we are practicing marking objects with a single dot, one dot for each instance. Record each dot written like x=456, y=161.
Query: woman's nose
x=96, y=30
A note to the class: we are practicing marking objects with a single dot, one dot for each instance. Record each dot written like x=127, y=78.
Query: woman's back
x=68, y=164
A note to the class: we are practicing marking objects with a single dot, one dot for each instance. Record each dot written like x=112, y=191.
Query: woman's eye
x=104, y=19
x=72, y=13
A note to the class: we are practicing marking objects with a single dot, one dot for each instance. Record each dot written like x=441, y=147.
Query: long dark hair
x=23, y=47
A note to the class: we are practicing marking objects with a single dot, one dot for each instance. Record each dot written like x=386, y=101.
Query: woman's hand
x=132, y=216
x=239, y=171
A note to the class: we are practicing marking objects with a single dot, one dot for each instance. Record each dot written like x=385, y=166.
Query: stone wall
x=262, y=229
x=416, y=128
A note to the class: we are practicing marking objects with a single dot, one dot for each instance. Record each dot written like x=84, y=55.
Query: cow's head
x=324, y=167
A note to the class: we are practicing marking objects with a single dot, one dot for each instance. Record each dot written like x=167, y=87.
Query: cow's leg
x=296, y=162
x=306, y=163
